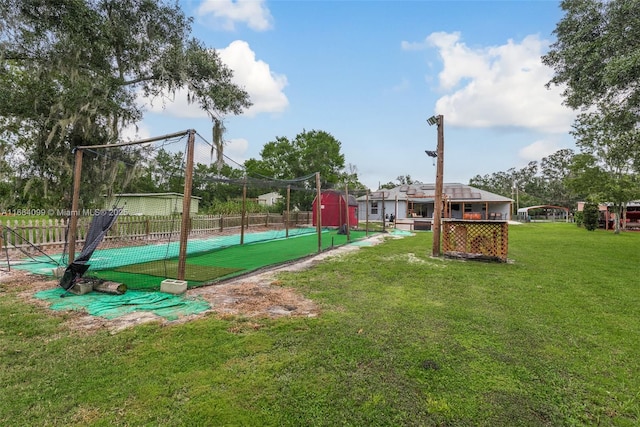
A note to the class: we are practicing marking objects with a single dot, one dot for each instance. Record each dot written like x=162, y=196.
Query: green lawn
x=550, y=339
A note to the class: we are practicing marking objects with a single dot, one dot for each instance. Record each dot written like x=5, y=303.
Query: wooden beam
x=186, y=207
x=319, y=212
x=73, y=220
x=286, y=225
x=141, y=141
x=437, y=209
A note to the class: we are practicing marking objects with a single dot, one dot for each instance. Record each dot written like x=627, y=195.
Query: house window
x=374, y=208
x=467, y=207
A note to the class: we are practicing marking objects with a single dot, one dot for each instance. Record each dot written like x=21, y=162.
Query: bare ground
x=255, y=296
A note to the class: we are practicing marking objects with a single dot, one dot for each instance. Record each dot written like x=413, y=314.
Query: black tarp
x=100, y=225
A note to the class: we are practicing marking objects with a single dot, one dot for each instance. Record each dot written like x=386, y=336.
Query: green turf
x=209, y=267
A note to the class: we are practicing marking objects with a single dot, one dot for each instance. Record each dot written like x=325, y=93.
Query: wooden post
x=437, y=211
x=346, y=195
x=243, y=214
x=319, y=212
x=186, y=207
x=286, y=223
x=73, y=220
x=366, y=214
x=395, y=211
x=384, y=220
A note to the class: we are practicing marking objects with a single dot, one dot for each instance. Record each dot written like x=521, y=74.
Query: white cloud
x=236, y=149
x=226, y=13
x=538, y=150
x=498, y=86
x=405, y=45
x=265, y=87
x=135, y=133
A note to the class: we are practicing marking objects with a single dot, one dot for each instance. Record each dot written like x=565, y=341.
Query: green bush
x=578, y=217
x=590, y=216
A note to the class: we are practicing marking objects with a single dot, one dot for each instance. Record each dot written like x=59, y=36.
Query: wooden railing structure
x=475, y=239
x=49, y=235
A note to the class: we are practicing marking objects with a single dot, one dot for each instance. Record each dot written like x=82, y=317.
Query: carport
x=523, y=213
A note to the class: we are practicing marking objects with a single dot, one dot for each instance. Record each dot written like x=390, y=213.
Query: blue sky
x=371, y=73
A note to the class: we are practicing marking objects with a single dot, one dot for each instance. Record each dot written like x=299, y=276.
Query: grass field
x=549, y=339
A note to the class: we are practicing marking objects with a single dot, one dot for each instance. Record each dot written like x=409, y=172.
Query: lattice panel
x=489, y=238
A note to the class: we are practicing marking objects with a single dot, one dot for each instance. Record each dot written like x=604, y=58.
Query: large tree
x=607, y=168
x=596, y=58
x=555, y=169
x=71, y=72
x=309, y=152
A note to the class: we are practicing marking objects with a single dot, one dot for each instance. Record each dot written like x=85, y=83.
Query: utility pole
x=437, y=208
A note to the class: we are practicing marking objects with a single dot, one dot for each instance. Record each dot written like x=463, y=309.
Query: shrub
x=578, y=217
x=590, y=216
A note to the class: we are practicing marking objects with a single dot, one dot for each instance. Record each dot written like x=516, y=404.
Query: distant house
x=269, y=199
x=152, y=203
x=631, y=219
x=334, y=209
x=412, y=206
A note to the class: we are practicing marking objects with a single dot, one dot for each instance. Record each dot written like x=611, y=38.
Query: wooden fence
x=49, y=235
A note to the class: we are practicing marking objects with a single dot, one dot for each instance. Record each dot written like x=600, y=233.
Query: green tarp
x=168, y=306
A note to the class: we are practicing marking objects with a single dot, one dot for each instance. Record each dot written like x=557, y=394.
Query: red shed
x=333, y=208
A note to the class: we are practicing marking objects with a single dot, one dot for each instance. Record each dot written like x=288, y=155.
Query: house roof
x=525, y=210
x=352, y=199
x=455, y=192
x=269, y=195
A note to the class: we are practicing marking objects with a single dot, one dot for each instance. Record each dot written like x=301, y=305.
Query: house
x=152, y=203
x=334, y=208
x=269, y=199
x=412, y=205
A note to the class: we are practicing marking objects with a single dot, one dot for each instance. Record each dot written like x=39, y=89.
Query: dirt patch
x=258, y=295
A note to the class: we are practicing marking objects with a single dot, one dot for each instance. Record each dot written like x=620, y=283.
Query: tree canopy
x=596, y=58
x=538, y=183
x=71, y=72
x=309, y=152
